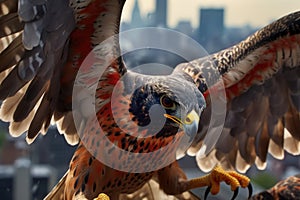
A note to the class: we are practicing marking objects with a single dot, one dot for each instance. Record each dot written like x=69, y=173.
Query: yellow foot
x=218, y=175
x=102, y=196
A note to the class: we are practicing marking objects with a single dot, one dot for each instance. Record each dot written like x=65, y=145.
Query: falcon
x=112, y=113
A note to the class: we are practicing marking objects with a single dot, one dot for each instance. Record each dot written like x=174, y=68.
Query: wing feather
x=262, y=84
x=262, y=143
x=12, y=24
x=8, y=6
x=12, y=54
x=292, y=122
x=41, y=51
x=30, y=61
x=32, y=95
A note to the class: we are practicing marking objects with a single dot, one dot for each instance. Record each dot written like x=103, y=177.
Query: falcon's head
x=168, y=103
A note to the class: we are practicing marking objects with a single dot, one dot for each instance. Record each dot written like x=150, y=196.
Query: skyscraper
x=211, y=22
x=136, y=18
x=161, y=13
x=211, y=28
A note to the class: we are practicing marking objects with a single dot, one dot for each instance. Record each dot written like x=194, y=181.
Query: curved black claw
x=206, y=192
x=250, y=189
x=236, y=192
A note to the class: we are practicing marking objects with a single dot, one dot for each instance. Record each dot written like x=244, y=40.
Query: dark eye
x=167, y=103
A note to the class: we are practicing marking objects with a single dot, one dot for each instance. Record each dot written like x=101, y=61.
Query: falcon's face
x=170, y=104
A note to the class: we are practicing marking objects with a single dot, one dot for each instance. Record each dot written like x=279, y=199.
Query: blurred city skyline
x=237, y=13
x=211, y=31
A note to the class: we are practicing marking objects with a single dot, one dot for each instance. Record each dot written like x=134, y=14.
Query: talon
x=218, y=175
x=102, y=196
x=207, y=192
x=236, y=192
x=250, y=189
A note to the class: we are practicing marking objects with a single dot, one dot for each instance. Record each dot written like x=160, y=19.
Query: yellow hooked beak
x=189, y=123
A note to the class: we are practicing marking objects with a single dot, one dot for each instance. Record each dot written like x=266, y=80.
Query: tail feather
x=57, y=193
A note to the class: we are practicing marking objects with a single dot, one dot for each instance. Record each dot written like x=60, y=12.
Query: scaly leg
x=173, y=181
x=218, y=175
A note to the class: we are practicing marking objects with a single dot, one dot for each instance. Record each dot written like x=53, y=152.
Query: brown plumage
x=261, y=80
x=288, y=188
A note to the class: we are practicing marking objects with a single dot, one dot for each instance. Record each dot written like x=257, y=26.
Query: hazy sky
x=237, y=12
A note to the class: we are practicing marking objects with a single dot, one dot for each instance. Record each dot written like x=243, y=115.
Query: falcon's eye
x=167, y=103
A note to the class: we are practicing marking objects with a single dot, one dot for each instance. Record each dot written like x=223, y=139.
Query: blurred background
x=31, y=171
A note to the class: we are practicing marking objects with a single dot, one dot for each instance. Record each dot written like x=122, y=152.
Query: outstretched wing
x=43, y=44
x=261, y=78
